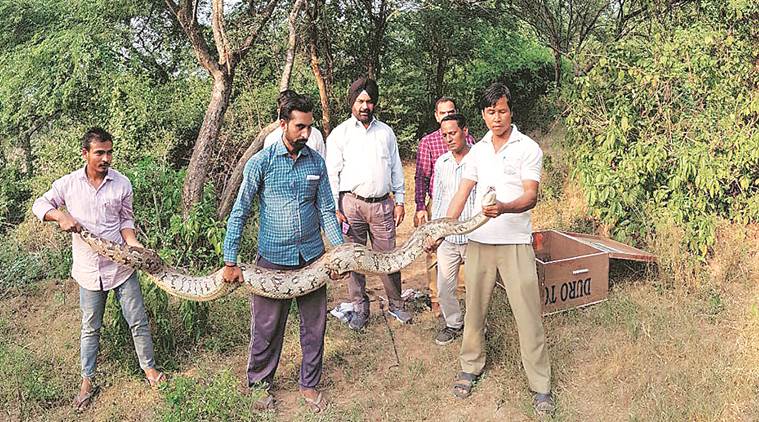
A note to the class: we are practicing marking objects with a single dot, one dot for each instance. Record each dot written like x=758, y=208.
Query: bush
x=665, y=126
x=21, y=267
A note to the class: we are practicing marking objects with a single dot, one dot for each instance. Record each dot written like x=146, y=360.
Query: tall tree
x=221, y=67
x=229, y=192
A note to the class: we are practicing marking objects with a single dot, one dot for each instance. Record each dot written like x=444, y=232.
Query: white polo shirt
x=519, y=159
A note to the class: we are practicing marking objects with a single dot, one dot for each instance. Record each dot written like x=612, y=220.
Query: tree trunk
x=323, y=92
x=197, y=170
x=439, y=76
x=557, y=68
x=291, y=39
x=229, y=195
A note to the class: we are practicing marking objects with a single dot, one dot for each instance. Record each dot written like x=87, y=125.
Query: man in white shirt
x=510, y=162
x=364, y=167
x=315, y=138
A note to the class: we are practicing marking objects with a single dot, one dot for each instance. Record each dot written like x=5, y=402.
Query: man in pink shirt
x=99, y=199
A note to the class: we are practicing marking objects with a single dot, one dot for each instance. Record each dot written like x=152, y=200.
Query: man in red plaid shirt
x=431, y=146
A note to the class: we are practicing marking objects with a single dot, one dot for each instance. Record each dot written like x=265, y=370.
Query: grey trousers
x=268, y=318
x=92, y=305
x=375, y=221
x=450, y=256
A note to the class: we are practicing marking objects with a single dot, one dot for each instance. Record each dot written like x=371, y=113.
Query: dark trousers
x=375, y=221
x=267, y=332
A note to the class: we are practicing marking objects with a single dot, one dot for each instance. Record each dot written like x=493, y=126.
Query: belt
x=369, y=200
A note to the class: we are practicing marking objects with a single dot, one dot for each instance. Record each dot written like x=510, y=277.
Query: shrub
x=665, y=126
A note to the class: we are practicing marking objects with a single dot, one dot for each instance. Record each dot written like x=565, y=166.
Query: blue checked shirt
x=295, y=201
x=447, y=178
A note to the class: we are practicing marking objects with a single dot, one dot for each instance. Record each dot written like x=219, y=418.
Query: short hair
x=442, y=100
x=299, y=102
x=95, y=134
x=492, y=94
x=284, y=96
x=459, y=118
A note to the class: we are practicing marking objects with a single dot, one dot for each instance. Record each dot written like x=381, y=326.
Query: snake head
x=489, y=197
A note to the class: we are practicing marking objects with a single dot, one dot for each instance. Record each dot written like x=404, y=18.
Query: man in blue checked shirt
x=289, y=179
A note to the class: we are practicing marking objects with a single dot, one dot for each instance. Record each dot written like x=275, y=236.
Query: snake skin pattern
x=279, y=284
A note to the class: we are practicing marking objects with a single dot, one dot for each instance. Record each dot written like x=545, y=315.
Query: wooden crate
x=573, y=268
x=571, y=273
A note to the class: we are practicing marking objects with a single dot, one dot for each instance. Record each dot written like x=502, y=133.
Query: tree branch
x=245, y=46
x=186, y=14
x=291, y=40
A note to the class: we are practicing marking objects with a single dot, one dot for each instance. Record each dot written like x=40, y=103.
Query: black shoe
x=447, y=335
x=358, y=321
x=543, y=404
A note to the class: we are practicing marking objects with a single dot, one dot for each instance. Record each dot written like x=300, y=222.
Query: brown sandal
x=316, y=405
x=156, y=383
x=82, y=402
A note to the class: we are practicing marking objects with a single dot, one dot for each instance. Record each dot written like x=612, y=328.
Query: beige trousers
x=516, y=265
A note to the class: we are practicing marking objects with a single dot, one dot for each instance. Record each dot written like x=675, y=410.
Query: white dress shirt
x=364, y=161
x=446, y=181
x=519, y=159
x=315, y=140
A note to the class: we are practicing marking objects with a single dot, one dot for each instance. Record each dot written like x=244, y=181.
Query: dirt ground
x=645, y=354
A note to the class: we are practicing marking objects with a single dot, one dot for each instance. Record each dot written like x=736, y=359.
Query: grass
x=673, y=342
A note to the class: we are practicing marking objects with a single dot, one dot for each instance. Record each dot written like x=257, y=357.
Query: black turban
x=360, y=85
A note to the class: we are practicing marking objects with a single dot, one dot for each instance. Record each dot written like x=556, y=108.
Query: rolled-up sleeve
x=50, y=200
x=127, y=212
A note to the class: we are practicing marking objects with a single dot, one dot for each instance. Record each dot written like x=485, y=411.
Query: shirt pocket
x=311, y=186
x=510, y=167
x=112, y=209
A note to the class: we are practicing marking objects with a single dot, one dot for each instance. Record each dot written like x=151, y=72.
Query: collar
x=83, y=173
x=281, y=149
x=515, y=136
x=356, y=122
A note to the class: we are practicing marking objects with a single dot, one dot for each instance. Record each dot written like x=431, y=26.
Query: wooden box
x=573, y=268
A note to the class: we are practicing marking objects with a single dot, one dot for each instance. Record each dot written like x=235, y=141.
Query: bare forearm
x=54, y=215
x=525, y=202
x=130, y=237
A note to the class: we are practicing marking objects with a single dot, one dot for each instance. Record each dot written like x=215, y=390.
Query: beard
x=299, y=143
x=365, y=116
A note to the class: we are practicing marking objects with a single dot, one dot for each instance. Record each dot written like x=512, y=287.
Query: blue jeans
x=92, y=304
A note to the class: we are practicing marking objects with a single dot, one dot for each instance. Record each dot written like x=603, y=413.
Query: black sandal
x=462, y=387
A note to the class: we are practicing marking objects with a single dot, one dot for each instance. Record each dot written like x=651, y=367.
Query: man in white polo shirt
x=510, y=162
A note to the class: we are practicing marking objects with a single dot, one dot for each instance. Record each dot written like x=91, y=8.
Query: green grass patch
x=214, y=397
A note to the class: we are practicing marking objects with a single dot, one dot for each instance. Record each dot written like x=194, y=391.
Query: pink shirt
x=104, y=212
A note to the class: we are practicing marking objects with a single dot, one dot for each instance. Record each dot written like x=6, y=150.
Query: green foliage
x=211, y=397
x=449, y=50
x=664, y=127
x=21, y=267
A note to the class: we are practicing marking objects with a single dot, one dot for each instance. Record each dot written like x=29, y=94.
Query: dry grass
x=653, y=351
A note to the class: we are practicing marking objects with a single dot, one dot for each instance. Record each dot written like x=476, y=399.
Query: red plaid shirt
x=431, y=146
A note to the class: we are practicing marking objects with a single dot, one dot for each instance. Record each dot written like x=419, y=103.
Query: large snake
x=279, y=284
